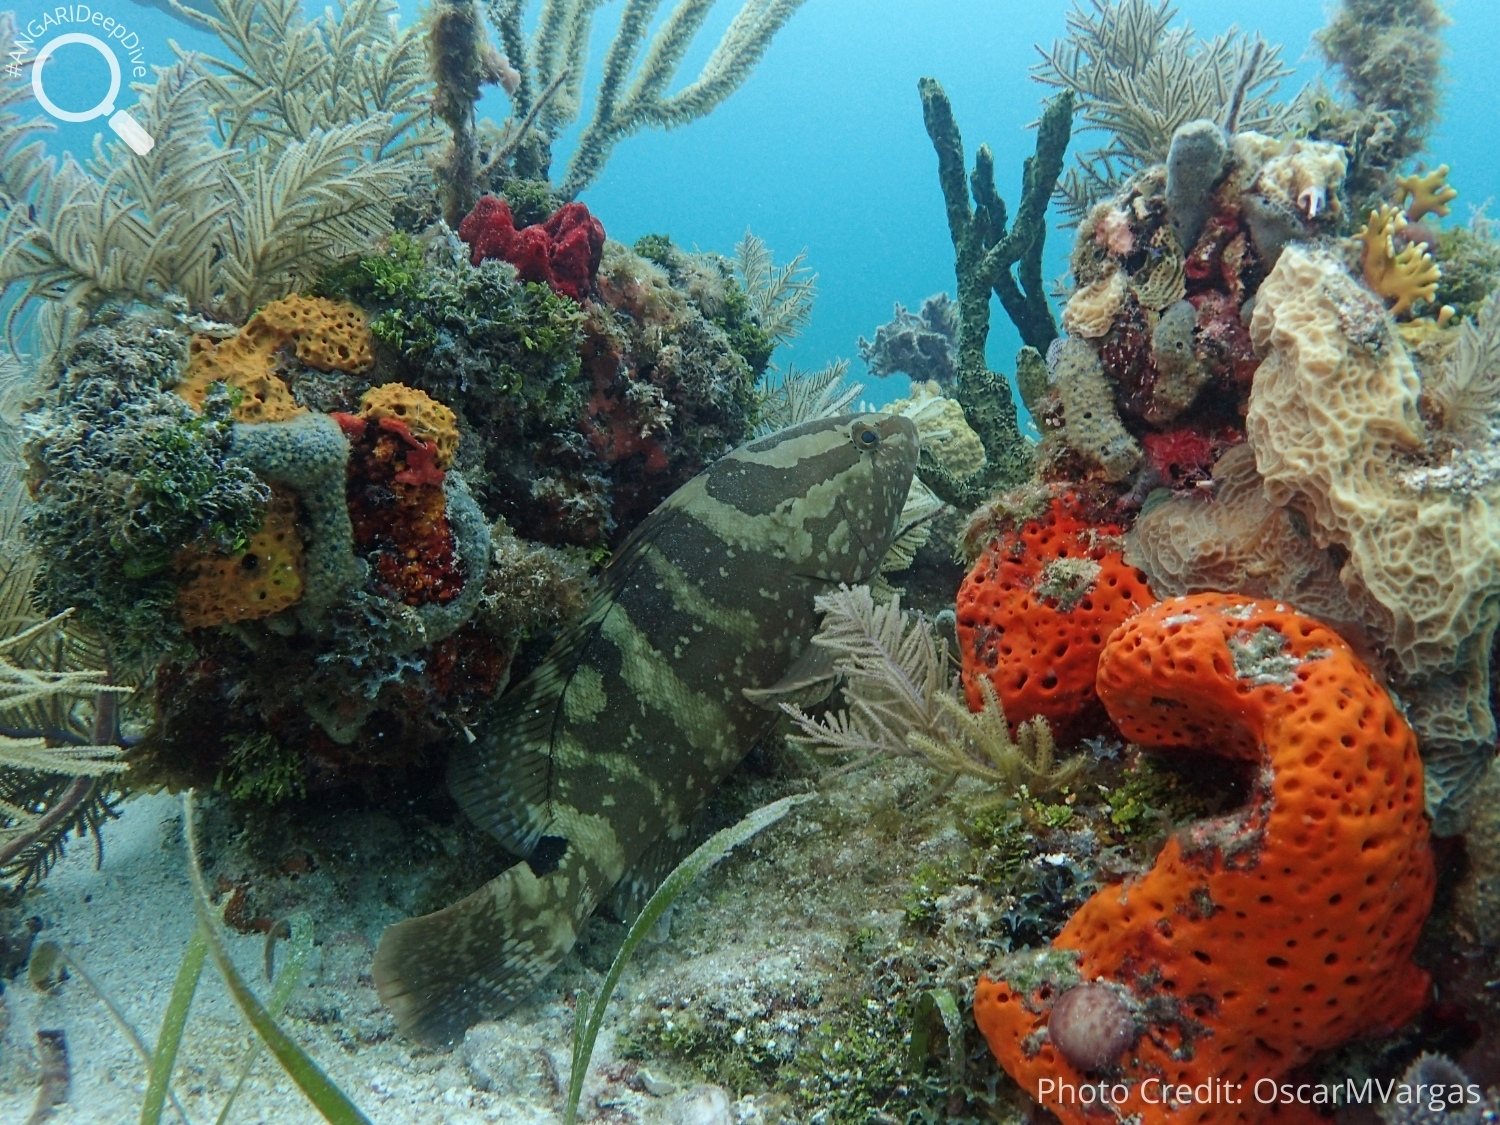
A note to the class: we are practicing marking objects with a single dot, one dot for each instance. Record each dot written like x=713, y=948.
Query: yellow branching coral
x=1429, y=194
x=1404, y=277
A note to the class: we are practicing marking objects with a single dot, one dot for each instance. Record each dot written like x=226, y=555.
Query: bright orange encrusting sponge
x=328, y=335
x=1261, y=938
x=1034, y=613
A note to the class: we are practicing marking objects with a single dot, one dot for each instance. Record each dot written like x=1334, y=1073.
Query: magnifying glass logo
x=127, y=128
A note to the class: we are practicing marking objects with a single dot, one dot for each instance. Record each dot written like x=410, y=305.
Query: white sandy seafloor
x=769, y=921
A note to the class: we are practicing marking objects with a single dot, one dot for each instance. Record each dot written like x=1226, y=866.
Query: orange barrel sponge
x=1261, y=938
x=1034, y=613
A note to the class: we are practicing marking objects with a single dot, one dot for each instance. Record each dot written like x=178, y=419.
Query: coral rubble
x=1258, y=939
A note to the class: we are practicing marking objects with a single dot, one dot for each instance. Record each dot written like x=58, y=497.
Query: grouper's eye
x=864, y=435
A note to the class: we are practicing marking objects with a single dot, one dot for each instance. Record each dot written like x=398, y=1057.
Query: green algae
x=258, y=768
x=125, y=475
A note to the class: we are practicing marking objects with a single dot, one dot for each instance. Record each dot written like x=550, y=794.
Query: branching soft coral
x=895, y=671
x=781, y=296
x=1466, y=390
x=1405, y=276
x=981, y=746
x=640, y=66
x=903, y=702
x=1138, y=79
x=57, y=751
x=269, y=165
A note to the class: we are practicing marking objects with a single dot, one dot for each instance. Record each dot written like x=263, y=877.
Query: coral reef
x=1034, y=612
x=1332, y=413
x=591, y=415
x=924, y=345
x=562, y=252
x=987, y=247
x=346, y=624
x=125, y=474
x=1214, y=964
x=1141, y=82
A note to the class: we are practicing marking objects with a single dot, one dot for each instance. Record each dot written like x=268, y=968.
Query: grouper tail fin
x=441, y=973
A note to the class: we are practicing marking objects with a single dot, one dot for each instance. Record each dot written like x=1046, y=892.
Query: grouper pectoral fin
x=442, y=973
x=809, y=680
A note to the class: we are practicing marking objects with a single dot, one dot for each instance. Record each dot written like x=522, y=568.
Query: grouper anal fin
x=441, y=973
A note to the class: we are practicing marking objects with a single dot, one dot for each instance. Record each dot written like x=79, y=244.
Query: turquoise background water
x=824, y=147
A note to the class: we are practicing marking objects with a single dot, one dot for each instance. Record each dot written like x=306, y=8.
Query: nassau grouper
x=593, y=766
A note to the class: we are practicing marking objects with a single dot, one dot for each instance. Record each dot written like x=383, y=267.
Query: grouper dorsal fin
x=503, y=780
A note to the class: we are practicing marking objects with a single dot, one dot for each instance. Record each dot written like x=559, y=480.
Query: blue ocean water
x=824, y=149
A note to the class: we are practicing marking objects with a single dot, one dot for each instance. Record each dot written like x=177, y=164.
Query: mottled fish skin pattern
x=609, y=748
